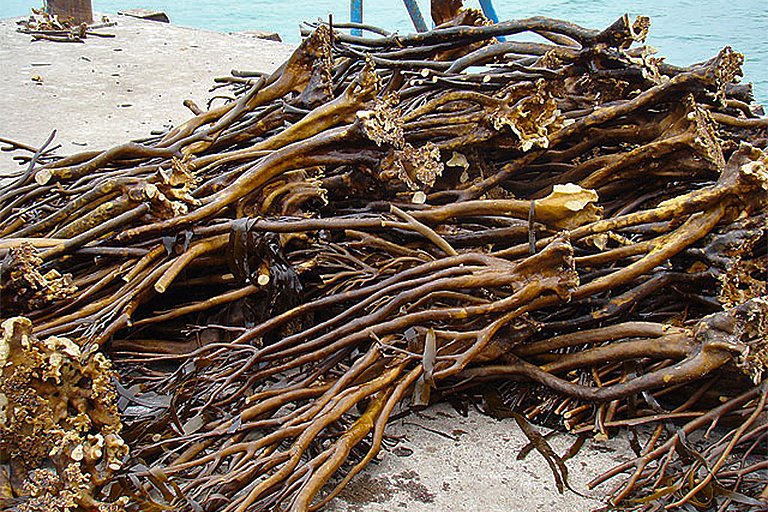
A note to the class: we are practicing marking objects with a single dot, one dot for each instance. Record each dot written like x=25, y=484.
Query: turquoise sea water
x=685, y=31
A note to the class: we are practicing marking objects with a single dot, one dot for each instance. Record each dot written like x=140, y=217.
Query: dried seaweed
x=389, y=221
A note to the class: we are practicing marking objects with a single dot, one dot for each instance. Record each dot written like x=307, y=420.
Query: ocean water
x=685, y=31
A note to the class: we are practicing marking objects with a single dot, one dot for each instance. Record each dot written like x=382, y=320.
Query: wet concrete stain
x=365, y=489
x=409, y=482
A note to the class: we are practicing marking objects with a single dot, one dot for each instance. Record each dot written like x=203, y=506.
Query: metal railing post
x=356, y=15
x=490, y=13
x=415, y=13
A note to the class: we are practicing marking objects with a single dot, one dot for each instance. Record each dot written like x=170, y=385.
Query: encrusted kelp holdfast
x=224, y=317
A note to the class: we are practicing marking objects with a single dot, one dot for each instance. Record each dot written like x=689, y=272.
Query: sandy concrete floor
x=447, y=463
x=108, y=91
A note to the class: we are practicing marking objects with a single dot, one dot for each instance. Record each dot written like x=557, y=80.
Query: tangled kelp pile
x=571, y=228
x=49, y=27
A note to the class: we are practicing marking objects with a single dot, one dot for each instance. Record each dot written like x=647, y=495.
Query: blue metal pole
x=356, y=15
x=490, y=13
x=415, y=14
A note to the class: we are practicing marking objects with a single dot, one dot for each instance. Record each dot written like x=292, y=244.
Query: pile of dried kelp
x=49, y=27
x=563, y=224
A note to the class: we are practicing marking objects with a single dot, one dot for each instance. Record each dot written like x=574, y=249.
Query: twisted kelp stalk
x=382, y=221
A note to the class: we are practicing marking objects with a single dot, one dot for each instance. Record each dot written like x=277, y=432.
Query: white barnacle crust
x=757, y=171
x=382, y=123
x=754, y=332
x=416, y=167
x=530, y=113
x=5, y=345
x=58, y=417
x=3, y=410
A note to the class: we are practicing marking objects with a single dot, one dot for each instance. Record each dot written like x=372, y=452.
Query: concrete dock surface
x=108, y=91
